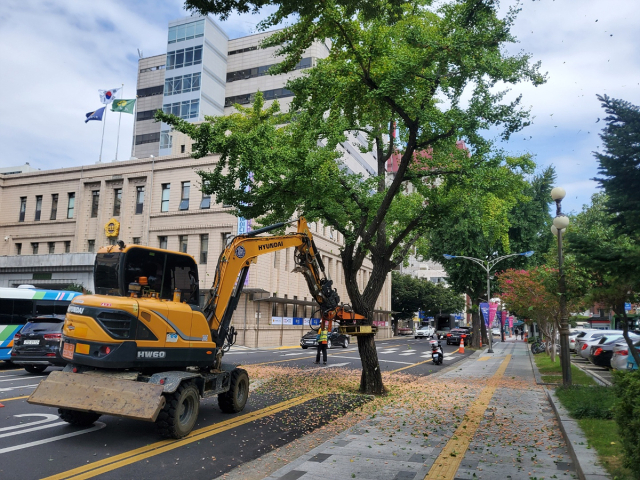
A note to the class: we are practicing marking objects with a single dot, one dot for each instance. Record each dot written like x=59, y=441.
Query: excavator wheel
x=178, y=416
x=235, y=399
x=79, y=419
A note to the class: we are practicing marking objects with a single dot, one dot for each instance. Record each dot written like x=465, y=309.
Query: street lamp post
x=488, y=266
x=560, y=223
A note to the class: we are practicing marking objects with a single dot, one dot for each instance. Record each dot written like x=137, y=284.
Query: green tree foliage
x=525, y=226
x=426, y=69
x=611, y=258
x=410, y=294
x=76, y=287
x=619, y=167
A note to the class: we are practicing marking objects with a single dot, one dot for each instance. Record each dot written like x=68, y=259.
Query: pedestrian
x=517, y=332
x=321, y=338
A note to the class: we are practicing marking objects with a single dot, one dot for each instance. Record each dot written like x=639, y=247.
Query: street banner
x=484, y=308
x=493, y=308
x=503, y=319
x=511, y=322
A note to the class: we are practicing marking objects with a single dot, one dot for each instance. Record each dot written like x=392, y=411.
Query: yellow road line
x=448, y=462
x=102, y=466
x=410, y=366
x=482, y=359
x=13, y=398
x=275, y=361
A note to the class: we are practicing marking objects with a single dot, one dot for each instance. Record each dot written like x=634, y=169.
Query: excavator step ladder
x=358, y=329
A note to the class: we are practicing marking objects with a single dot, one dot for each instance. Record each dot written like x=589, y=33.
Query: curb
x=599, y=380
x=583, y=457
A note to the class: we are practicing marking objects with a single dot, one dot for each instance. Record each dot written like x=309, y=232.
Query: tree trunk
x=552, y=353
x=485, y=338
x=625, y=333
x=475, y=320
x=371, y=378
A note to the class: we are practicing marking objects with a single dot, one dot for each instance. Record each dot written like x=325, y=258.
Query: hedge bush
x=627, y=416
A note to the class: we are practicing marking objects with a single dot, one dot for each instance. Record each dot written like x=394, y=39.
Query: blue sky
x=57, y=54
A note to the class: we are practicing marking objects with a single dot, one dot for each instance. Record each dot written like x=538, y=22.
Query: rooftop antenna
x=139, y=53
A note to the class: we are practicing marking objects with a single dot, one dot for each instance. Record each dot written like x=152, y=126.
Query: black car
x=602, y=353
x=454, y=336
x=37, y=345
x=334, y=338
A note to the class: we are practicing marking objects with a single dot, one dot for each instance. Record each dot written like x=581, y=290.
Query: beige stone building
x=52, y=221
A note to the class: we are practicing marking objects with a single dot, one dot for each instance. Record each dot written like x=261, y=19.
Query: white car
x=495, y=331
x=426, y=331
x=620, y=354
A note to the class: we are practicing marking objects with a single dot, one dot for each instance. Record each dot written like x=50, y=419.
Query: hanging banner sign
x=276, y=320
x=511, y=322
x=493, y=308
x=484, y=308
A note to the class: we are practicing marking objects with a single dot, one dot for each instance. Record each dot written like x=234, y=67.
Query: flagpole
x=103, y=124
x=119, y=120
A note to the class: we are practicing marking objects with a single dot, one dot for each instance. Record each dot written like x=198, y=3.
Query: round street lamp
x=560, y=223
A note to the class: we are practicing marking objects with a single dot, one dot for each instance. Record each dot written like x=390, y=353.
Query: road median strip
x=118, y=461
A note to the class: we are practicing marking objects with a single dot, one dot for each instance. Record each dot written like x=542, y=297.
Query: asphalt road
x=35, y=443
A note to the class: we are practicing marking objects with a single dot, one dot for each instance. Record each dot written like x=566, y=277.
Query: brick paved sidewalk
x=484, y=418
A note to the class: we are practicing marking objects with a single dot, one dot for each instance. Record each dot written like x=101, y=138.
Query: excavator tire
x=235, y=399
x=178, y=416
x=79, y=419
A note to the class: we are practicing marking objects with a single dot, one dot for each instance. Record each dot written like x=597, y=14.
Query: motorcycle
x=436, y=352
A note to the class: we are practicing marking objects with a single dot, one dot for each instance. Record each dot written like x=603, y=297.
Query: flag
x=123, y=105
x=108, y=96
x=95, y=115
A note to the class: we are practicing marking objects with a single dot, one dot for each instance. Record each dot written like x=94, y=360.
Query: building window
x=242, y=50
x=184, y=57
x=71, y=205
x=264, y=70
x=139, y=199
x=147, y=138
x=117, y=201
x=164, y=201
x=226, y=236
x=182, y=243
x=136, y=240
x=187, y=109
x=34, y=248
x=145, y=115
x=274, y=306
x=186, y=31
x=206, y=200
x=182, y=148
x=162, y=242
x=91, y=246
x=54, y=206
x=38, y=207
x=23, y=208
x=248, y=97
x=295, y=307
x=184, y=84
x=150, y=91
x=204, y=248
x=95, y=202
x=166, y=141
x=67, y=246
x=112, y=240
x=184, y=200
x=18, y=249
x=52, y=247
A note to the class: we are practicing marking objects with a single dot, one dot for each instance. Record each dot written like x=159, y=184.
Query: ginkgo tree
x=426, y=70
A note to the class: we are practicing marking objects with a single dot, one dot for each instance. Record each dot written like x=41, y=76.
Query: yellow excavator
x=143, y=348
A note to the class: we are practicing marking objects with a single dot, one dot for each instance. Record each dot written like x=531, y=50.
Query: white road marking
x=25, y=377
x=97, y=426
x=382, y=359
x=388, y=351
x=335, y=365
x=7, y=389
x=32, y=429
x=48, y=417
x=293, y=354
x=408, y=353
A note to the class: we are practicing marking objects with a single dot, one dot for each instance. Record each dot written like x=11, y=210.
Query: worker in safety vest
x=321, y=338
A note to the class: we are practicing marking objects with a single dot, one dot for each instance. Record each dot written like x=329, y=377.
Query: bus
x=18, y=305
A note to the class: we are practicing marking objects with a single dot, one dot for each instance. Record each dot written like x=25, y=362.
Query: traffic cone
x=461, y=349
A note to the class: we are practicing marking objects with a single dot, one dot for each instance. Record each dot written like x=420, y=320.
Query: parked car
x=590, y=335
x=454, y=336
x=601, y=353
x=585, y=347
x=334, y=339
x=573, y=338
x=426, y=331
x=405, y=331
x=621, y=353
x=496, y=331
x=442, y=333
x=37, y=345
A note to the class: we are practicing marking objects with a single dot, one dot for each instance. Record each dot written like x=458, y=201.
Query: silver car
x=585, y=347
x=620, y=354
x=590, y=335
